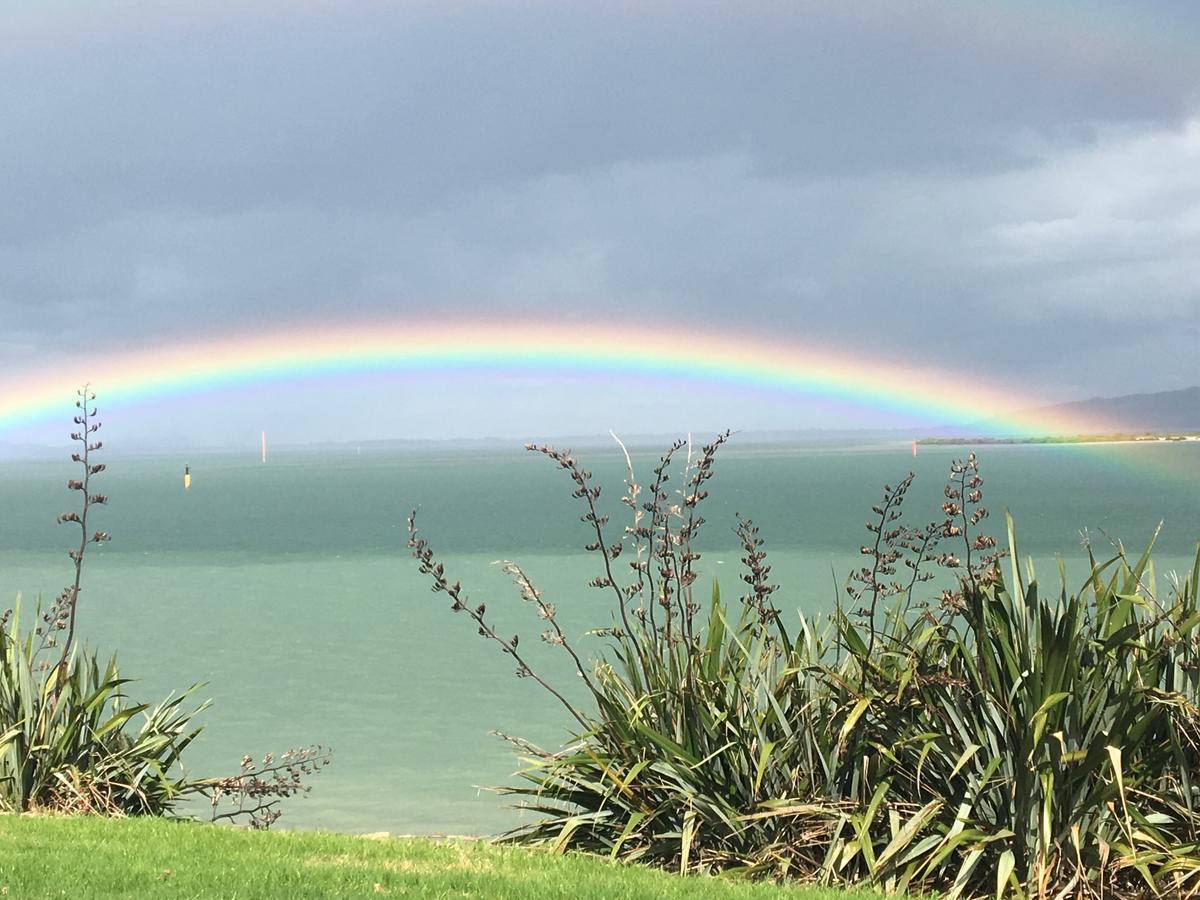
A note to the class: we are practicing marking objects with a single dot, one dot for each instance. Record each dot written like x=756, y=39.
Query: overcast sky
x=1007, y=190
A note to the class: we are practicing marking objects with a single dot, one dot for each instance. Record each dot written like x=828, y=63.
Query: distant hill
x=1165, y=411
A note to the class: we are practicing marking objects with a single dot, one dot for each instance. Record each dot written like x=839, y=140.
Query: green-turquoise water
x=288, y=587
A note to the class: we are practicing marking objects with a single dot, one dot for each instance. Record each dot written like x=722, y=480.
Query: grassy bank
x=92, y=857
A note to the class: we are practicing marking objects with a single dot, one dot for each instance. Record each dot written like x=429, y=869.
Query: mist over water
x=289, y=590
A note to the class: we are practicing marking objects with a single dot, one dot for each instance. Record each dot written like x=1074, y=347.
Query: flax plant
x=72, y=742
x=65, y=738
x=986, y=738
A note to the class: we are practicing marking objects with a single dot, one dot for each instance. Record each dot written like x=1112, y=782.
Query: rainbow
x=430, y=348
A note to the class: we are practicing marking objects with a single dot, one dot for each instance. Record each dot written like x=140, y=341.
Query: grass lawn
x=91, y=857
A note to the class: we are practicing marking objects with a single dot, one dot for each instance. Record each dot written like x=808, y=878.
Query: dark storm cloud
x=398, y=107
x=995, y=185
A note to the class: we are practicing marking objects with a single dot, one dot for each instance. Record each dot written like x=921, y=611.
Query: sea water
x=288, y=589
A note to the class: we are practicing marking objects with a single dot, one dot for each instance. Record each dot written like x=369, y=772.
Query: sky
x=1005, y=191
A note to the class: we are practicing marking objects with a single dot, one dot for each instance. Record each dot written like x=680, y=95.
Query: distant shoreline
x=1065, y=439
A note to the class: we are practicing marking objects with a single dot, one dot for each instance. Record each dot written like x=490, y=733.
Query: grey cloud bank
x=1003, y=190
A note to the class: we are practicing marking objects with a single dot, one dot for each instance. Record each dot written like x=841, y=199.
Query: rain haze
x=1008, y=192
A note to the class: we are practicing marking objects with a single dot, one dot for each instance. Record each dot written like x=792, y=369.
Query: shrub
x=990, y=739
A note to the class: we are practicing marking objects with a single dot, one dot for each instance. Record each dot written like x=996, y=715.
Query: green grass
x=145, y=857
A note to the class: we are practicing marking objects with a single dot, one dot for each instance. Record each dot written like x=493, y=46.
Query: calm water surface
x=288, y=588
